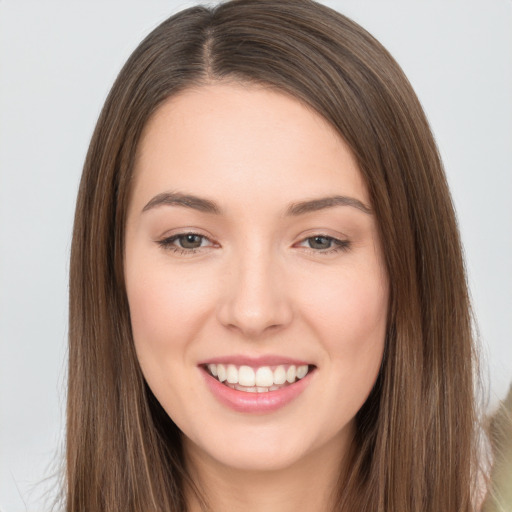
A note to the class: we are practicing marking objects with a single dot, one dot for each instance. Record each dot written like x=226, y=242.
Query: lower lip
x=243, y=401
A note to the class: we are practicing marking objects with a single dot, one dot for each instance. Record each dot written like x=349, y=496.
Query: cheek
x=349, y=302
x=353, y=334
x=348, y=311
x=166, y=309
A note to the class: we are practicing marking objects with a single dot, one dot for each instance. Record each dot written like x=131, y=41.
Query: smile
x=250, y=386
x=260, y=379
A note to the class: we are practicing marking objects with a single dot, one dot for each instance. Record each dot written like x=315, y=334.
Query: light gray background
x=58, y=60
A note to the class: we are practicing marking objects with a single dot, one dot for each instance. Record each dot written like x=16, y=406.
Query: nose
x=255, y=298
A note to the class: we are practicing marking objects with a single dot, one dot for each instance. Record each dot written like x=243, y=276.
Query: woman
x=268, y=300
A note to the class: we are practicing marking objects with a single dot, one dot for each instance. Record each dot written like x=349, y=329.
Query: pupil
x=320, y=242
x=191, y=241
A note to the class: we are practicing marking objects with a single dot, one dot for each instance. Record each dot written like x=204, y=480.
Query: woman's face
x=252, y=253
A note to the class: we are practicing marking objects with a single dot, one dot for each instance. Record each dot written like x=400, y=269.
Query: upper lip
x=258, y=361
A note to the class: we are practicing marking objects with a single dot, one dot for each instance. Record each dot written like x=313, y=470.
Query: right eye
x=184, y=243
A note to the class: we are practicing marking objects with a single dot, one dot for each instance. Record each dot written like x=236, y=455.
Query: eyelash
x=337, y=245
x=169, y=244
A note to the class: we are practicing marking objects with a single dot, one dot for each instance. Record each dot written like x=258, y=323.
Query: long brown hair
x=416, y=435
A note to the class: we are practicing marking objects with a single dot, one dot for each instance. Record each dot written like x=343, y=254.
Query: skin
x=256, y=286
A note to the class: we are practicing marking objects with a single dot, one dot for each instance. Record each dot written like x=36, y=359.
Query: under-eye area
x=260, y=379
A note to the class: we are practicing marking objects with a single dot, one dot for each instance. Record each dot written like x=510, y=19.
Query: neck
x=309, y=484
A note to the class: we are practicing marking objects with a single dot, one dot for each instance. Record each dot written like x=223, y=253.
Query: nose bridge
x=255, y=297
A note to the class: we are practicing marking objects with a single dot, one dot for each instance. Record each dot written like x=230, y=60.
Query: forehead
x=238, y=142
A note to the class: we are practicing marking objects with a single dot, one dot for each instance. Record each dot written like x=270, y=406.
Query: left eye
x=190, y=241
x=322, y=243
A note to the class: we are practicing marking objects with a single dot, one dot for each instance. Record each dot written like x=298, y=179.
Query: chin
x=255, y=458
x=262, y=449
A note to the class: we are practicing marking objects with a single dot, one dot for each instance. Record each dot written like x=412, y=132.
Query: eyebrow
x=185, y=200
x=326, y=202
x=294, y=209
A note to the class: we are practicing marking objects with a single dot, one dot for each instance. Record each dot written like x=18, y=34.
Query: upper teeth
x=263, y=376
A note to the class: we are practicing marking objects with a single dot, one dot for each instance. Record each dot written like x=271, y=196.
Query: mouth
x=260, y=379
